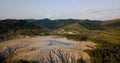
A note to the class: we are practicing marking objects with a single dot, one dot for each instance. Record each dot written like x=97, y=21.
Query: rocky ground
x=47, y=49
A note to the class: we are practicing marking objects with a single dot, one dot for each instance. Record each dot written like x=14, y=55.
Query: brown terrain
x=47, y=49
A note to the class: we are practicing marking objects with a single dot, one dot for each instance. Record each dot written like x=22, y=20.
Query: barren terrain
x=47, y=49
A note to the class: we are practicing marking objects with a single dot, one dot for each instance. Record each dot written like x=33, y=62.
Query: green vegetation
x=76, y=37
x=9, y=60
x=23, y=61
x=91, y=25
x=53, y=24
x=10, y=29
x=106, y=52
x=104, y=33
x=80, y=61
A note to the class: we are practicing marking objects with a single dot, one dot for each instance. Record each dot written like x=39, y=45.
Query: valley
x=59, y=41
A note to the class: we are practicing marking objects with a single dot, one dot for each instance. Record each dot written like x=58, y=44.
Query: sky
x=60, y=9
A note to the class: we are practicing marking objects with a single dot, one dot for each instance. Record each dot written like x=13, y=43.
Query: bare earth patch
x=47, y=49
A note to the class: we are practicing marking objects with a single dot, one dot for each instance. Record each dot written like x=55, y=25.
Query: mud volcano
x=46, y=49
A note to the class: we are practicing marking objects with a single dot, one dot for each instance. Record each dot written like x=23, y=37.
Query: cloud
x=97, y=14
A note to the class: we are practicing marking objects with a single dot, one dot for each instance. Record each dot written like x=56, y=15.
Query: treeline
x=77, y=37
x=53, y=24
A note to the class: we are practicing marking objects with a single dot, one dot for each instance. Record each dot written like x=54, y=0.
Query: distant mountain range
x=88, y=24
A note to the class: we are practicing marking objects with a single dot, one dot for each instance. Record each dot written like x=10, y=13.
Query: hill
x=112, y=25
x=104, y=33
x=53, y=24
x=109, y=28
x=12, y=28
x=89, y=24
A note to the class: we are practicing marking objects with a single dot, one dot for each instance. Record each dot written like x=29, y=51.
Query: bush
x=80, y=61
x=106, y=52
x=76, y=37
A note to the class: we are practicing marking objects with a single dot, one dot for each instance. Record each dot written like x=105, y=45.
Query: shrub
x=80, y=61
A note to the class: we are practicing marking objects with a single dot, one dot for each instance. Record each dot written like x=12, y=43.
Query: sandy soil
x=47, y=49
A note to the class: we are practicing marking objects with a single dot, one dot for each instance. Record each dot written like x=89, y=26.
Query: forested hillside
x=12, y=28
x=53, y=24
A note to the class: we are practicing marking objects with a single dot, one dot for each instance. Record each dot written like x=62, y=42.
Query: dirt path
x=47, y=49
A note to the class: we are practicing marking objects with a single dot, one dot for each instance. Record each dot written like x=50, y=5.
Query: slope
x=11, y=28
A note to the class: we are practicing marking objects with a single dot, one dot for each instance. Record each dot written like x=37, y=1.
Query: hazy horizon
x=60, y=9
